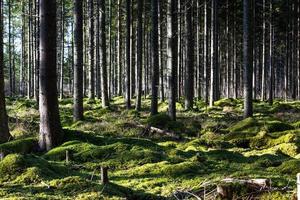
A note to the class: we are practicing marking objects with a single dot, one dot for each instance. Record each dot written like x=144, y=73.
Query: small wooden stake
x=104, y=175
x=67, y=156
x=298, y=186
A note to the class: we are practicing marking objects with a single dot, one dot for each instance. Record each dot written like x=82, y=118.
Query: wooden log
x=227, y=187
x=104, y=175
x=259, y=183
x=152, y=130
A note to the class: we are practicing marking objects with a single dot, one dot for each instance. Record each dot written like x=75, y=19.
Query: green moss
x=244, y=125
x=283, y=107
x=12, y=164
x=71, y=183
x=226, y=102
x=159, y=120
x=277, y=126
x=296, y=125
x=276, y=195
x=31, y=175
x=289, y=167
x=22, y=146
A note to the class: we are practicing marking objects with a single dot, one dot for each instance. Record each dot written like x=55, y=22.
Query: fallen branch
x=153, y=130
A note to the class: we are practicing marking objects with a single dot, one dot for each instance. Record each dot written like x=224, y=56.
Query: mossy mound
x=115, y=154
x=71, y=183
x=289, y=167
x=22, y=146
x=12, y=164
x=30, y=169
x=227, y=102
x=253, y=126
x=245, y=125
x=284, y=107
x=164, y=121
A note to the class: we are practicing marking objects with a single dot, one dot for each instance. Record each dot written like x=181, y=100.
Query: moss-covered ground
x=215, y=143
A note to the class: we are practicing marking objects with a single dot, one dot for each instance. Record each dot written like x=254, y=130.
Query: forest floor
x=215, y=143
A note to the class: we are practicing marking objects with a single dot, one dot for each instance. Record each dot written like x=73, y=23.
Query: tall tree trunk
x=263, y=84
x=78, y=61
x=128, y=54
x=205, y=51
x=214, y=80
x=155, y=58
x=91, y=51
x=172, y=58
x=247, y=59
x=161, y=50
x=62, y=50
x=104, y=91
x=271, y=69
x=139, y=54
x=50, y=128
x=119, y=49
x=4, y=131
x=189, y=82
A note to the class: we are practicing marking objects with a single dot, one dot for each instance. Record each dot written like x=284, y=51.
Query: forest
x=150, y=99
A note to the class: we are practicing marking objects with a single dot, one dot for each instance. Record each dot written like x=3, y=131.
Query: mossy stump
x=104, y=175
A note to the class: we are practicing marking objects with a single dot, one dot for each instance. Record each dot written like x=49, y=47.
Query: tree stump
x=67, y=156
x=104, y=175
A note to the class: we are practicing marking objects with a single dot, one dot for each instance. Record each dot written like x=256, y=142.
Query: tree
x=247, y=60
x=271, y=68
x=214, y=80
x=105, y=99
x=189, y=82
x=78, y=61
x=51, y=133
x=172, y=52
x=4, y=131
x=155, y=57
x=139, y=54
x=91, y=51
x=128, y=54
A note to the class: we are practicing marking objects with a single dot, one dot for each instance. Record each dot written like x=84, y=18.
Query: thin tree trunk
x=155, y=58
x=139, y=53
x=128, y=54
x=247, y=59
x=105, y=99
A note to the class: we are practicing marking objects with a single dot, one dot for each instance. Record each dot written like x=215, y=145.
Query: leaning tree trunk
x=247, y=60
x=4, y=131
x=50, y=127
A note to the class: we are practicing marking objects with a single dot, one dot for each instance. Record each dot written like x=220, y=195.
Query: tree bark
x=172, y=58
x=78, y=61
x=104, y=91
x=139, y=54
x=50, y=127
x=247, y=59
x=155, y=58
x=4, y=131
x=189, y=82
